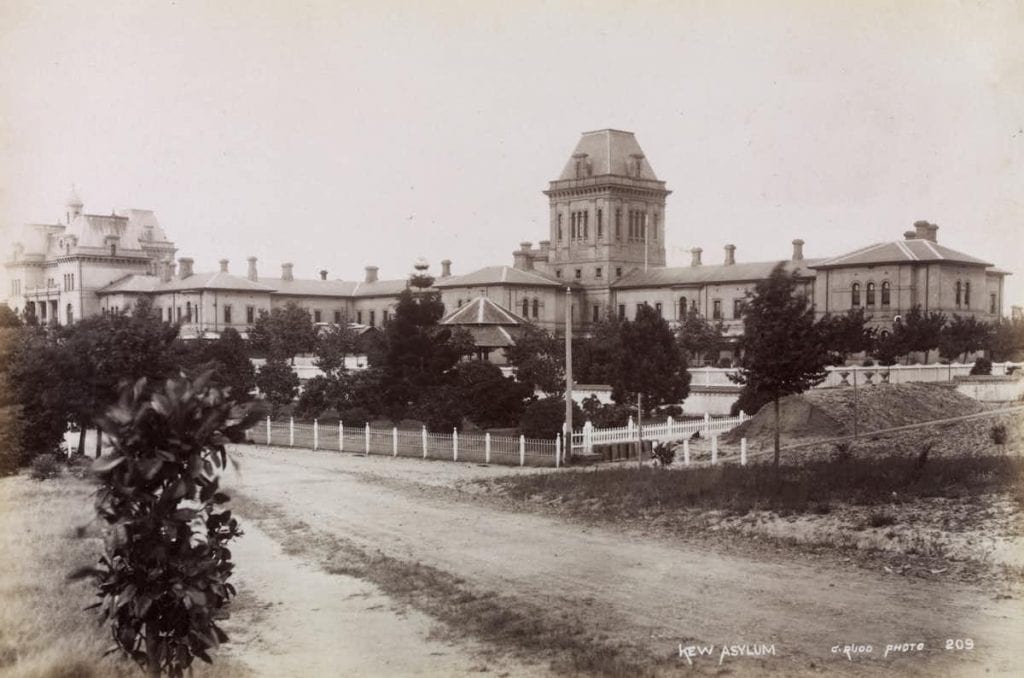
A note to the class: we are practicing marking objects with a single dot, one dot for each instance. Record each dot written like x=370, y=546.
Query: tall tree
x=783, y=349
x=539, y=360
x=698, y=337
x=334, y=344
x=1006, y=341
x=650, y=362
x=283, y=333
x=278, y=383
x=920, y=331
x=963, y=335
x=228, y=358
x=846, y=334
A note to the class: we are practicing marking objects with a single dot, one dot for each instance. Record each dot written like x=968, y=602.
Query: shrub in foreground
x=163, y=579
x=45, y=466
x=982, y=366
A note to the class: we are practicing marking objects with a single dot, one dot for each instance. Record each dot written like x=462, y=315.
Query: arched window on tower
x=536, y=308
x=967, y=294
x=855, y=294
x=560, y=226
x=871, y=294
x=885, y=293
x=526, y=308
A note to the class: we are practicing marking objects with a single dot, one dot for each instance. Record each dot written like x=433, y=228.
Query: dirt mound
x=824, y=413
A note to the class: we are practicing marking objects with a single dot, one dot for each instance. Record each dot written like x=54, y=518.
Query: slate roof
x=206, y=281
x=499, y=275
x=898, y=252
x=491, y=336
x=609, y=152
x=714, y=273
x=483, y=311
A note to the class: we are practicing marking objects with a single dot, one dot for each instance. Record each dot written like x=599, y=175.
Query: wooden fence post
x=487, y=447
x=743, y=452
x=707, y=424
x=424, y=442
x=268, y=429
x=558, y=449
x=669, y=428
x=366, y=438
x=714, y=450
x=291, y=431
x=455, y=444
x=686, y=452
x=394, y=441
x=522, y=450
x=316, y=433
x=341, y=436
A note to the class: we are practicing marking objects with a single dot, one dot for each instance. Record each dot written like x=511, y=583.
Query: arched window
x=70, y=314
x=188, y=311
x=536, y=308
x=967, y=294
x=871, y=294
x=855, y=294
x=526, y=308
x=682, y=308
x=959, y=288
x=885, y=293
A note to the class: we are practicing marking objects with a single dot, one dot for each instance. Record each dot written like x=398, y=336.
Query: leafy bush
x=355, y=416
x=45, y=466
x=664, y=453
x=544, y=418
x=605, y=415
x=163, y=578
x=982, y=366
x=750, y=401
x=998, y=434
x=725, y=362
x=868, y=363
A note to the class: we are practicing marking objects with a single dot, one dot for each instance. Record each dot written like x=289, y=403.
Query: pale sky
x=340, y=134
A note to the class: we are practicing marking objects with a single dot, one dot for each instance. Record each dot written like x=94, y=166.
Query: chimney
x=186, y=267
x=798, y=249
x=252, y=270
x=730, y=255
x=695, y=252
x=921, y=229
x=932, y=232
x=371, y=274
x=521, y=258
x=323, y=274
x=446, y=268
x=223, y=265
x=910, y=235
x=544, y=245
x=166, y=270
x=286, y=272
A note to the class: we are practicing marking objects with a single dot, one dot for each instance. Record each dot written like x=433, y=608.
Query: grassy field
x=809, y=487
x=45, y=532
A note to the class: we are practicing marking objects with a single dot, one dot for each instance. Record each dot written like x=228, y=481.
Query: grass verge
x=46, y=532
x=799, y=488
x=507, y=622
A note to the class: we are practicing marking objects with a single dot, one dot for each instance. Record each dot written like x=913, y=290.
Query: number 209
x=959, y=644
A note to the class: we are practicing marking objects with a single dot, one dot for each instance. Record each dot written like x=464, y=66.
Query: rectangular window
x=317, y=317
x=42, y=311
x=598, y=272
x=373, y=318
x=600, y=223
x=618, y=271
x=178, y=314
x=716, y=313
x=737, y=308
x=579, y=273
x=72, y=281
x=558, y=274
x=227, y=314
x=359, y=317
x=560, y=227
x=384, y=316
x=618, y=223
x=638, y=307
x=337, y=317
x=250, y=314
x=657, y=307
x=622, y=311
x=992, y=305
x=596, y=313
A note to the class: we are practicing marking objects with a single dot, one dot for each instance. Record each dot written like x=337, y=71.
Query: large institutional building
x=604, y=254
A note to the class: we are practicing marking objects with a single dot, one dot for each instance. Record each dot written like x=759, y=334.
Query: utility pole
x=855, y=404
x=568, y=373
x=639, y=430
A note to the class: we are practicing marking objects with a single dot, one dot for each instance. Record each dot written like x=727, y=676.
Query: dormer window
x=583, y=167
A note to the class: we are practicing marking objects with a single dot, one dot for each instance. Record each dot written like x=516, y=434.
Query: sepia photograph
x=620, y=338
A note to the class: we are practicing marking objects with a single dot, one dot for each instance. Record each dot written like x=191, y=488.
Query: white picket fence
x=843, y=375
x=585, y=439
x=419, y=443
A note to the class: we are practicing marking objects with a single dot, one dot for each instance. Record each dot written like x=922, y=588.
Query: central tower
x=607, y=212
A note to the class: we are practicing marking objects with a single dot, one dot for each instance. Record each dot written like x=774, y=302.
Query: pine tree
x=783, y=348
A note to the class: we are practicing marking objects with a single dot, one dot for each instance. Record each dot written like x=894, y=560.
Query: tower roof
x=73, y=199
x=609, y=151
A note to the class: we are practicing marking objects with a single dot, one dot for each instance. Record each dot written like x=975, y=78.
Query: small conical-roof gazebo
x=492, y=327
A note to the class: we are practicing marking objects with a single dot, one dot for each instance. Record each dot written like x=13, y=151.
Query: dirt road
x=649, y=593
